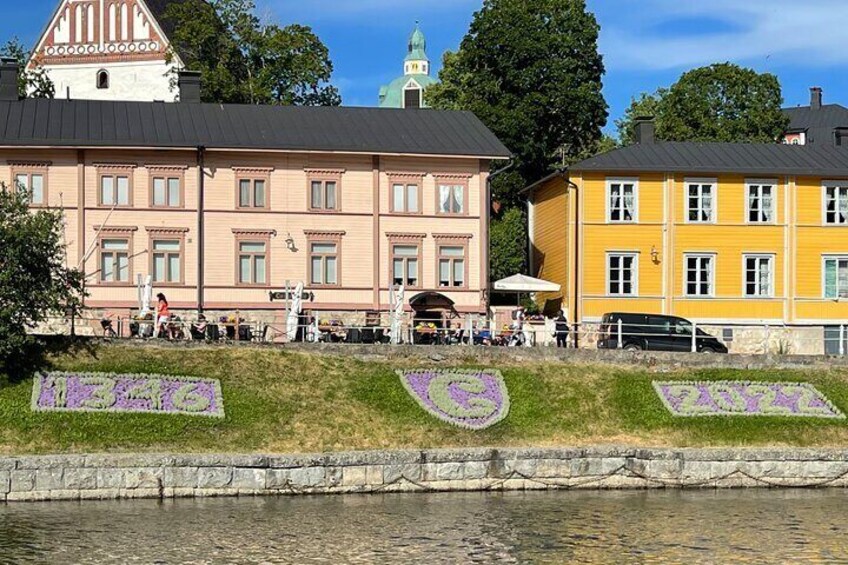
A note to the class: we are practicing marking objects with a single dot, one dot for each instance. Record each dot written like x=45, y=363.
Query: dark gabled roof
x=714, y=158
x=817, y=123
x=90, y=123
x=158, y=8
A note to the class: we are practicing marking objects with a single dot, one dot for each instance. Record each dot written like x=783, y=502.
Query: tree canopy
x=531, y=71
x=722, y=102
x=245, y=61
x=32, y=82
x=35, y=280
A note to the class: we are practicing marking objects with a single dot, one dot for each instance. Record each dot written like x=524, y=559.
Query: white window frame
x=622, y=181
x=838, y=184
x=702, y=255
x=831, y=257
x=635, y=268
x=713, y=182
x=771, y=259
x=749, y=184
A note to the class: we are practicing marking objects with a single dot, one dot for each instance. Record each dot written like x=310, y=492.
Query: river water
x=535, y=527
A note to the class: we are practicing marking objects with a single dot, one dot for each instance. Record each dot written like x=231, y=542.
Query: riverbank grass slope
x=278, y=401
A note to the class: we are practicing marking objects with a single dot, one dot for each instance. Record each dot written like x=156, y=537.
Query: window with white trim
x=253, y=262
x=451, y=199
x=700, y=202
x=622, y=274
x=621, y=198
x=836, y=277
x=451, y=266
x=700, y=275
x=761, y=209
x=836, y=204
x=759, y=276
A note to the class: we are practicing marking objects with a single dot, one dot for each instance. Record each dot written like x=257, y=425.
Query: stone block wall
x=101, y=477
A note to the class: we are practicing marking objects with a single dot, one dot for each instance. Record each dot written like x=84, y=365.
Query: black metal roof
x=91, y=123
x=818, y=123
x=714, y=158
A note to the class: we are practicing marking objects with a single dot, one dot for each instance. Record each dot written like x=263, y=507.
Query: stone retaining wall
x=100, y=477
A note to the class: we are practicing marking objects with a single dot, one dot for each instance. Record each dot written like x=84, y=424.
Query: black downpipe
x=576, y=264
x=201, y=185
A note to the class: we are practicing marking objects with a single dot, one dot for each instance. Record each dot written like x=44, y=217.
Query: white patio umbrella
x=294, y=312
x=523, y=284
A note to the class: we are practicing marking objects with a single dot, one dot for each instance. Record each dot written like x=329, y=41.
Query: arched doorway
x=431, y=315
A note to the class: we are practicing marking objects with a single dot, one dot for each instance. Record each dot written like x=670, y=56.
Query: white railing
x=480, y=331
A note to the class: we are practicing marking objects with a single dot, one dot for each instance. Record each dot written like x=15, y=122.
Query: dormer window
x=412, y=98
x=102, y=80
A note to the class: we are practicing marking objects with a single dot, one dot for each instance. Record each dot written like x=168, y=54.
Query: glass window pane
x=123, y=267
x=252, y=247
x=159, y=267
x=452, y=251
x=173, y=192
x=259, y=194
x=244, y=269
x=123, y=191
x=412, y=198
x=459, y=273
x=107, y=273
x=397, y=198
x=22, y=182
x=397, y=269
x=331, y=270
x=317, y=188
x=459, y=199
x=166, y=245
x=444, y=199
x=174, y=267
x=114, y=244
x=316, y=271
x=37, y=189
x=331, y=196
x=444, y=272
x=323, y=248
x=260, y=269
x=107, y=191
x=159, y=192
x=412, y=271
x=406, y=250
x=244, y=193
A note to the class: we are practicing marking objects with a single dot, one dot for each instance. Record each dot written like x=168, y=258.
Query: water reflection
x=557, y=527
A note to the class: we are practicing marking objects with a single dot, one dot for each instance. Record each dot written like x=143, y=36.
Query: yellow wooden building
x=714, y=232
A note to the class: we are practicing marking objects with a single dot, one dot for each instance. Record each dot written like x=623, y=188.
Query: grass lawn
x=283, y=402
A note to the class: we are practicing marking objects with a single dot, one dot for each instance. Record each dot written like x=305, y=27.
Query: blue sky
x=646, y=43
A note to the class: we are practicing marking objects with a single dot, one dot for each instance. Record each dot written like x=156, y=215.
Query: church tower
x=407, y=91
x=108, y=50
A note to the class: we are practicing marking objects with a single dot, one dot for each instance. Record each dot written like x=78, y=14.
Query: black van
x=653, y=332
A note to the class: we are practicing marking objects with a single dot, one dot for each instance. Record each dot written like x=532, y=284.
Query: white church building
x=109, y=50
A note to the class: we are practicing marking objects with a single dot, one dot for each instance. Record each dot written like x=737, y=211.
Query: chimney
x=644, y=130
x=189, y=84
x=840, y=136
x=8, y=79
x=816, y=98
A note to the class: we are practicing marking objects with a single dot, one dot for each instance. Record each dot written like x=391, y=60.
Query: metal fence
x=479, y=331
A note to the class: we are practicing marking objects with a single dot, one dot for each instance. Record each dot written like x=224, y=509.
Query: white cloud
x=807, y=32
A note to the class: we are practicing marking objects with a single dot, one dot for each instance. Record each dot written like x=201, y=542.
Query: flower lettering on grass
x=741, y=398
x=102, y=392
x=474, y=400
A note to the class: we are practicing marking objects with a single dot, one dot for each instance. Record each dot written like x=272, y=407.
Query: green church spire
x=417, y=45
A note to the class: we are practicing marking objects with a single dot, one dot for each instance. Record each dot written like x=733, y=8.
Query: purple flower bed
x=741, y=398
x=106, y=392
x=474, y=400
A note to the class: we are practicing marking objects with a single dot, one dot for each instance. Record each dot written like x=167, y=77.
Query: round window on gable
x=102, y=80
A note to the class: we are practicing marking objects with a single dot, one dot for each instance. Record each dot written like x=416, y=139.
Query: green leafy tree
x=508, y=239
x=34, y=279
x=531, y=71
x=243, y=60
x=33, y=81
x=722, y=102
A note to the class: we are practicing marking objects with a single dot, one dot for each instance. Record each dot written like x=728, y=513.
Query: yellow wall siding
x=550, y=234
